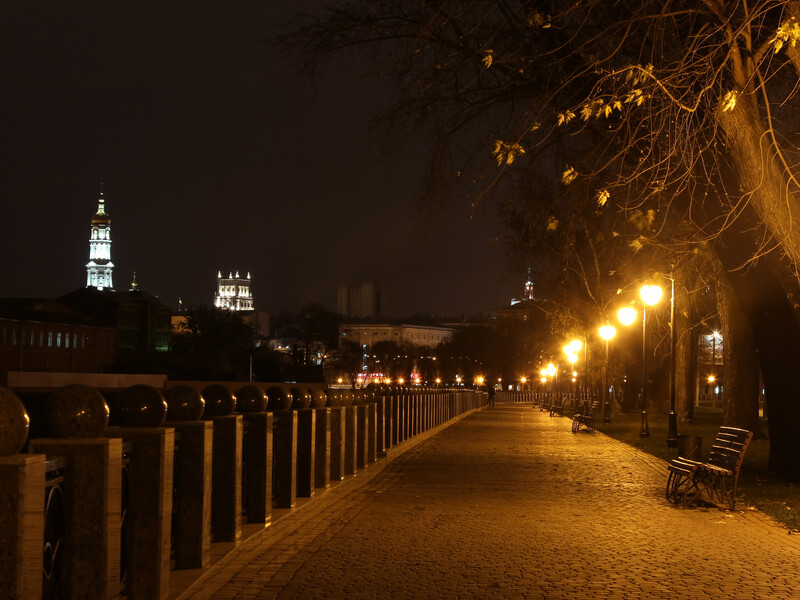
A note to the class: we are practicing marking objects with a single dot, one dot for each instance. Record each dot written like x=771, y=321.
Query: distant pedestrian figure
x=491, y=395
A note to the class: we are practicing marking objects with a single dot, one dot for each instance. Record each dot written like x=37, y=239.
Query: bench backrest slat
x=729, y=448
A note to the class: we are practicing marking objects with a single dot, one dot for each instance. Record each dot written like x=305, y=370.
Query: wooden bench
x=557, y=407
x=715, y=480
x=585, y=422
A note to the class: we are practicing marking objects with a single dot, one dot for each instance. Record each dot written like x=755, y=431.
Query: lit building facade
x=45, y=336
x=233, y=292
x=365, y=335
x=99, y=269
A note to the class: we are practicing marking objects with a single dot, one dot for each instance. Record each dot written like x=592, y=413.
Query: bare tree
x=619, y=138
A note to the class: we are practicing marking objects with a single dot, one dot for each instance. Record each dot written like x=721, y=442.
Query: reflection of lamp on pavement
x=606, y=332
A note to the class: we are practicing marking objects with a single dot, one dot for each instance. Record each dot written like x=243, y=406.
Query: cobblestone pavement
x=507, y=503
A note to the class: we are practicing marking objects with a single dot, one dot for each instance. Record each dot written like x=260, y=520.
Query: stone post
x=350, y=466
x=22, y=481
x=285, y=458
x=141, y=410
x=337, y=443
x=226, y=463
x=92, y=497
x=258, y=467
x=191, y=542
x=77, y=416
x=226, y=479
x=22, y=485
x=372, y=432
x=380, y=425
x=397, y=416
x=322, y=449
x=306, y=446
x=361, y=436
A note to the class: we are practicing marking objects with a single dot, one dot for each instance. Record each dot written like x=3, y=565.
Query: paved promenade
x=507, y=503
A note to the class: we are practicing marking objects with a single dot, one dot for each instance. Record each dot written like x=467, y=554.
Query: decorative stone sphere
x=220, y=401
x=251, y=399
x=347, y=397
x=300, y=398
x=14, y=423
x=141, y=406
x=279, y=398
x=318, y=398
x=184, y=403
x=77, y=411
x=334, y=398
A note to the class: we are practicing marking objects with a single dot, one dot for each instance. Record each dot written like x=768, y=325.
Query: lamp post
x=672, y=417
x=606, y=332
x=552, y=372
x=714, y=337
x=650, y=295
x=571, y=350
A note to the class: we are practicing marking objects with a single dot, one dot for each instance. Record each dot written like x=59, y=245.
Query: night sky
x=214, y=157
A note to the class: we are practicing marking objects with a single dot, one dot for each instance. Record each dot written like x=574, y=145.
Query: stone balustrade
x=98, y=511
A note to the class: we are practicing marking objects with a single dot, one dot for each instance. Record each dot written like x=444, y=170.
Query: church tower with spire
x=99, y=268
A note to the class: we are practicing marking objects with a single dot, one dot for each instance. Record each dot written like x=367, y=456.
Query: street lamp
x=606, y=332
x=650, y=295
x=575, y=346
x=672, y=417
x=571, y=350
x=552, y=373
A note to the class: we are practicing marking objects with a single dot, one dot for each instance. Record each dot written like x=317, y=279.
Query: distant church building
x=99, y=268
x=527, y=295
x=233, y=292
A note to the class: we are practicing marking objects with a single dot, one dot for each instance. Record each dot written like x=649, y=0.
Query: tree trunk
x=740, y=360
x=685, y=354
x=760, y=175
x=775, y=329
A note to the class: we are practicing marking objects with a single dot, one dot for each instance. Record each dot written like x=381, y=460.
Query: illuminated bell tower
x=99, y=267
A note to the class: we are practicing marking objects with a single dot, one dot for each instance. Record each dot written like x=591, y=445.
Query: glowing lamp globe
x=650, y=294
x=626, y=315
x=607, y=332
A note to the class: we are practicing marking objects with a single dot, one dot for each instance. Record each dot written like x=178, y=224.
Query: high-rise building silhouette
x=364, y=301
